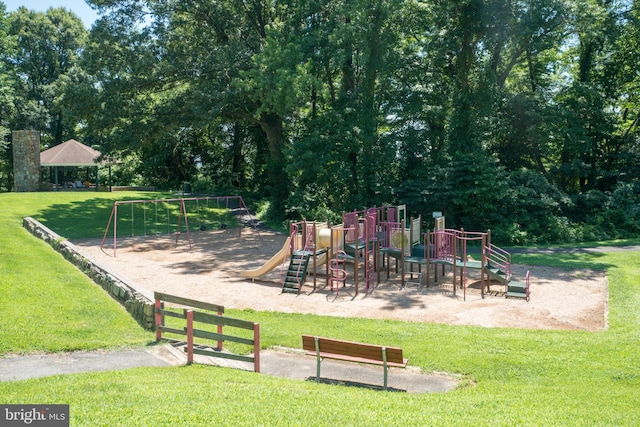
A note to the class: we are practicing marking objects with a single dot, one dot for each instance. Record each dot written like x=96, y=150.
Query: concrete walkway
x=288, y=363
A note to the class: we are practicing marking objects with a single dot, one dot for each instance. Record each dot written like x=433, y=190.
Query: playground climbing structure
x=372, y=239
x=337, y=272
x=308, y=243
x=450, y=247
x=360, y=244
x=398, y=242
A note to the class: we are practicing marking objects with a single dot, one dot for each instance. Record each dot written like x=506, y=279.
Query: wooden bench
x=328, y=348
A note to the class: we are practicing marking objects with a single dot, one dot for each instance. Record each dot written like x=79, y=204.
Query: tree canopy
x=519, y=116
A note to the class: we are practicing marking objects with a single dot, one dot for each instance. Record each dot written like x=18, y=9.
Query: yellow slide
x=322, y=259
x=274, y=262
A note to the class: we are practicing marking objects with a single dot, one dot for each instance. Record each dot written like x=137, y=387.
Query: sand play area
x=210, y=270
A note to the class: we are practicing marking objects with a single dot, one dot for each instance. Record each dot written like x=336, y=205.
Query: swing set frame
x=112, y=224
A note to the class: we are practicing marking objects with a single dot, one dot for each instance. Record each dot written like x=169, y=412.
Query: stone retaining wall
x=139, y=306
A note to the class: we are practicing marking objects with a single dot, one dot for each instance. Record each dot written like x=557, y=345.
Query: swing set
x=166, y=216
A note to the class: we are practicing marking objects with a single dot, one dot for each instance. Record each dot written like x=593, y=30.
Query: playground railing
x=371, y=224
x=350, y=222
x=499, y=258
x=387, y=231
x=416, y=231
x=443, y=245
x=469, y=236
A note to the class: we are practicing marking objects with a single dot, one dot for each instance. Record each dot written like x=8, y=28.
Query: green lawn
x=46, y=304
x=509, y=376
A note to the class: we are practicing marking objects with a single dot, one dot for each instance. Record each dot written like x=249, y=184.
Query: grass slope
x=47, y=305
x=511, y=376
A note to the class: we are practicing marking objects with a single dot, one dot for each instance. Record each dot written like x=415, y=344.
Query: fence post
x=159, y=322
x=256, y=347
x=115, y=225
x=220, y=332
x=189, y=314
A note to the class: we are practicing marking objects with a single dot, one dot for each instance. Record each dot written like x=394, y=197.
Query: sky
x=79, y=7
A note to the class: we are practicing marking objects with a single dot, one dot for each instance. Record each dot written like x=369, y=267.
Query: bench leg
x=384, y=362
x=318, y=360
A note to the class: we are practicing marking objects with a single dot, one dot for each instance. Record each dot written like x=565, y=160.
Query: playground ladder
x=369, y=273
x=417, y=281
x=338, y=273
x=297, y=271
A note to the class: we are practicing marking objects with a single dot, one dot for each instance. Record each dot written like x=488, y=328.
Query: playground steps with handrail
x=518, y=289
x=297, y=272
x=496, y=273
x=513, y=288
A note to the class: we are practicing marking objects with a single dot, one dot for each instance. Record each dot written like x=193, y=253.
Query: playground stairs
x=497, y=274
x=518, y=289
x=297, y=272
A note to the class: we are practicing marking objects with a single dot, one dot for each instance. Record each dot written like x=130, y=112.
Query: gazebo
x=69, y=154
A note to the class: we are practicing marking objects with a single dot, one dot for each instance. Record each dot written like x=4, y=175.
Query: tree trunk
x=271, y=124
x=237, y=171
x=369, y=110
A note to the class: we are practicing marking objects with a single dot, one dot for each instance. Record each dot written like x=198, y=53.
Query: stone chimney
x=26, y=160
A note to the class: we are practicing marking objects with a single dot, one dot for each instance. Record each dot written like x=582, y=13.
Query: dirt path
x=210, y=271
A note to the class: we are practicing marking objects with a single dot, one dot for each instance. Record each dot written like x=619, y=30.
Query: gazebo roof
x=70, y=153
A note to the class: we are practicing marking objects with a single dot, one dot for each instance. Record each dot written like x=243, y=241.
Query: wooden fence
x=191, y=332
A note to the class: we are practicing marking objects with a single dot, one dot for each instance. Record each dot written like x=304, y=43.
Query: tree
x=625, y=80
x=7, y=103
x=193, y=67
x=326, y=106
x=48, y=46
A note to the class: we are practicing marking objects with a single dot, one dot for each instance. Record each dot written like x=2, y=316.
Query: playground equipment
x=360, y=243
x=151, y=216
x=371, y=238
x=272, y=263
x=398, y=242
x=517, y=289
x=338, y=273
x=313, y=244
x=307, y=241
x=449, y=247
x=357, y=240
